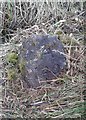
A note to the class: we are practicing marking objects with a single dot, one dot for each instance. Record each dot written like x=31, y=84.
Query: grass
x=64, y=96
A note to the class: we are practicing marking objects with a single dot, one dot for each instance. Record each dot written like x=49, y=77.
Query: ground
x=62, y=97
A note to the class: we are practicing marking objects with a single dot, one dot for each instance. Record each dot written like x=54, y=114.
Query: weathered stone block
x=44, y=58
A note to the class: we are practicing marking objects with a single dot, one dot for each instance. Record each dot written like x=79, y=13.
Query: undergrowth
x=63, y=97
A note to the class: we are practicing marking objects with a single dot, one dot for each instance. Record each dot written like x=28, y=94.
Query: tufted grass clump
x=22, y=66
x=11, y=74
x=15, y=66
x=12, y=58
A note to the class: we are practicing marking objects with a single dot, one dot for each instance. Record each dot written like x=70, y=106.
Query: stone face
x=44, y=58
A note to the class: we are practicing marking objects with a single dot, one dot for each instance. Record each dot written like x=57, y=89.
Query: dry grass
x=63, y=97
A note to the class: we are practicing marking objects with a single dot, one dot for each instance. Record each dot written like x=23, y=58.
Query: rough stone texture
x=44, y=56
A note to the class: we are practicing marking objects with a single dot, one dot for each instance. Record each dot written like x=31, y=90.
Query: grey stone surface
x=44, y=58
